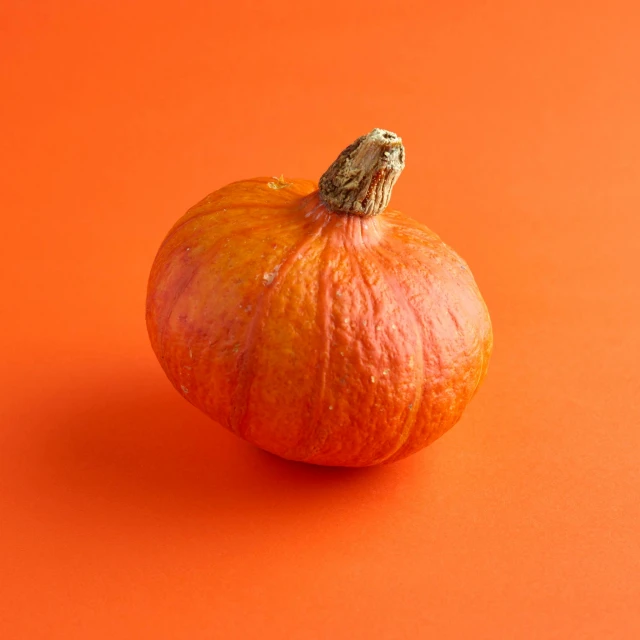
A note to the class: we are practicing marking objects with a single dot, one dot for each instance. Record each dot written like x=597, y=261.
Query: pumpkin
x=314, y=323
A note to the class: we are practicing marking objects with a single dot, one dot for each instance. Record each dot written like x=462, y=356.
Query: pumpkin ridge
x=428, y=324
x=355, y=254
x=481, y=374
x=402, y=298
x=324, y=311
x=484, y=359
x=352, y=243
x=245, y=379
x=437, y=430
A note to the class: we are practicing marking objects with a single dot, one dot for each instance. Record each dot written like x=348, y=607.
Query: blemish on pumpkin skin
x=270, y=277
x=184, y=389
x=279, y=183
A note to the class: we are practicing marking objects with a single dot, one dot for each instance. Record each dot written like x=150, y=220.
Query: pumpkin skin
x=319, y=336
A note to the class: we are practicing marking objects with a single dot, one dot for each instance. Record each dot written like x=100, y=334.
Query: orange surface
x=337, y=340
x=127, y=514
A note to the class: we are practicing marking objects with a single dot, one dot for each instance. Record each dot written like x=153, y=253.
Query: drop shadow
x=136, y=446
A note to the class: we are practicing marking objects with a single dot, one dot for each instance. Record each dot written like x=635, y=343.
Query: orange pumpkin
x=315, y=324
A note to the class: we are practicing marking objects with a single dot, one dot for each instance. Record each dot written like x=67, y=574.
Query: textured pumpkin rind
x=320, y=337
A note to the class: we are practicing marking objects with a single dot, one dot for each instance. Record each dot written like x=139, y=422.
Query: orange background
x=127, y=514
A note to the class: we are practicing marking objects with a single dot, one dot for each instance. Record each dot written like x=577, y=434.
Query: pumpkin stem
x=360, y=180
